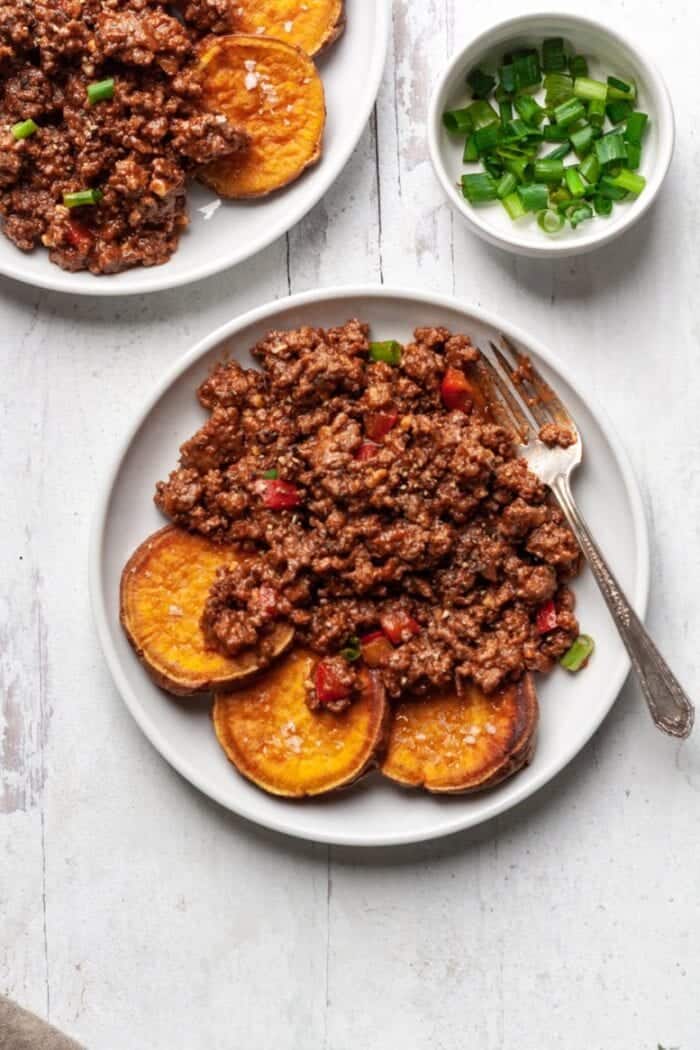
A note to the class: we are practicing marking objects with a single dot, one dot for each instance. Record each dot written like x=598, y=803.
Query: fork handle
x=669, y=706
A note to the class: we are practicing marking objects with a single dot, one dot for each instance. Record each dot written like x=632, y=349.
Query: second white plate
x=374, y=812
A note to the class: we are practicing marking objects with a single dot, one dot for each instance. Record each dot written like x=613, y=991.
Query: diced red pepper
x=79, y=235
x=546, y=618
x=328, y=685
x=378, y=424
x=456, y=391
x=278, y=495
x=399, y=626
x=267, y=600
x=376, y=649
x=367, y=450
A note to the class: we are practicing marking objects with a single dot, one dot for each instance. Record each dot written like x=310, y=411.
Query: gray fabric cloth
x=20, y=1030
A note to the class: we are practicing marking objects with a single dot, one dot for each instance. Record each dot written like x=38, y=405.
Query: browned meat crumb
x=556, y=435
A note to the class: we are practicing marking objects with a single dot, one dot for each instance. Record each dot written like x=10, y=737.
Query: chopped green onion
x=621, y=89
x=607, y=188
x=556, y=133
x=507, y=184
x=560, y=197
x=527, y=70
x=478, y=189
x=618, y=110
x=569, y=112
x=534, y=197
x=578, y=66
x=548, y=170
x=458, y=120
x=636, y=126
x=596, y=112
x=588, y=89
x=517, y=166
x=576, y=658
x=574, y=182
x=514, y=206
x=634, y=156
x=24, y=129
x=389, y=351
x=627, y=180
x=610, y=147
x=506, y=75
x=558, y=88
x=271, y=475
x=351, y=651
x=82, y=197
x=100, y=91
x=482, y=84
x=482, y=114
x=559, y=152
x=493, y=165
x=505, y=110
x=529, y=109
x=582, y=141
x=579, y=214
x=485, y=139
x=603, y=205
x=553, y=56
x=589, y=168
x=550, y=221
x=471, y=153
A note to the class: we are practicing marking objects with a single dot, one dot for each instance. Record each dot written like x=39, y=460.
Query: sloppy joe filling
x=132, y=145
x=394, y=525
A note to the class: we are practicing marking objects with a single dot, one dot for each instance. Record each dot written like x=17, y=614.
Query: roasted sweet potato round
x=273, y=92
x=164, y=587
x=273, y=739
x=451, y=744
x=311, y=25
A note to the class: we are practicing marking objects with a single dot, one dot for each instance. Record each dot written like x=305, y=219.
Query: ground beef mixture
x=389, y=528
x=137, y=148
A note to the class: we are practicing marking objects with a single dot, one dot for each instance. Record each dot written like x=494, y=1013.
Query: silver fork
x=525, y=403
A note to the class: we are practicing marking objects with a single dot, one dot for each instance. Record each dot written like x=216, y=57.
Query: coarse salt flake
x=288, y=27
x=490, y=728
x=251, y=81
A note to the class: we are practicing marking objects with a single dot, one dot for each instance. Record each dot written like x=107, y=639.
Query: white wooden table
x=140, y=916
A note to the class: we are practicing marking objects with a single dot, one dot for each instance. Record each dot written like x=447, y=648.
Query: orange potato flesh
x=273, y=92
x=454, y=744
x=309, y=24
x=273, y=739
x=163, y=590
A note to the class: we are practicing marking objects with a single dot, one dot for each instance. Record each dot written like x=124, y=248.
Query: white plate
x=236, y=230
x=375, y=812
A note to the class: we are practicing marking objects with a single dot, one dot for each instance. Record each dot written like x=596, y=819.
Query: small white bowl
x=607, y=53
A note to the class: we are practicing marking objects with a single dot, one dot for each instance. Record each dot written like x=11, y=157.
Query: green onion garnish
x=621, y=89
x=271, y=475
x=100, y=91
x=389, y=352
x=479, y=189
x=575, y=658
x=351, y=651
x=82, y=197
x=520, y=146
x=588, y=89
x=482, y=84
x=514, y=206
x=24, y=129
x=550, y=221
x=553, y=55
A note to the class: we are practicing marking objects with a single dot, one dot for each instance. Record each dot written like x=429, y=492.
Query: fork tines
x=525, y=398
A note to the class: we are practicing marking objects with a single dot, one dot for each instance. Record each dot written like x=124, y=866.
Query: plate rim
x=447, y=824
x=104, y=287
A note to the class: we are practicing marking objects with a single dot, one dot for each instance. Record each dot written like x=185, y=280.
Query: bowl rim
x=100, y=599
x=553, y=249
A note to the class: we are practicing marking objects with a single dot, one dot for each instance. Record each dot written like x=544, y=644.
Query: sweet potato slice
x=273, y=739
x=273, y=92
x=164, y=587
x=451, y=744
x=311, y=25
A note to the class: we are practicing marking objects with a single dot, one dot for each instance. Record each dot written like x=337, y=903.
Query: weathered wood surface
x=136, y=914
